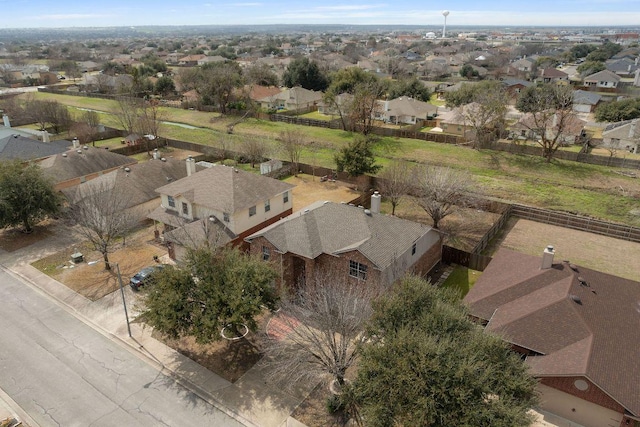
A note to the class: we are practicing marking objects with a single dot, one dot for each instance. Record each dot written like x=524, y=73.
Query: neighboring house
x=453, y=122
x=296, y=98
x=364, y=245
x=576, y=328
x=604, y=79
x=208, y=59
x=257, y=92
x=515, y=86
x=623, y=67
x=231, y=202
x=405, y=110
x=585, y=102
x=525, y=65
x=133, y=139
x=74, y=167
x=553, y=75
x=570, y=131
x=136, y=182
x=14, y=145
x=190, y=60
x=341, y=102
x=622, y=135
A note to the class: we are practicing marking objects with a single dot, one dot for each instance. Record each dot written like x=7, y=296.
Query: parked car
x=144, y=276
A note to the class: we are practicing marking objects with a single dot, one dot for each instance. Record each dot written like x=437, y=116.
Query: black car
x=144, y=276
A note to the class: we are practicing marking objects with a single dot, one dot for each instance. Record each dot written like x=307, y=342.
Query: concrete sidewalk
x=252, y=399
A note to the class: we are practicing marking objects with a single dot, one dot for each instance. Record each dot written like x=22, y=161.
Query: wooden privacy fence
x=330, y=124
x=576, y=222
x=470, y=260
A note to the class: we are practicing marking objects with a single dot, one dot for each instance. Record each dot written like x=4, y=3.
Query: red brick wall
x=593, y=394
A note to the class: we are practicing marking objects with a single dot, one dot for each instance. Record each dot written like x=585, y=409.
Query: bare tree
x=550, y=116
x=486, y=114
x=102, y=214
x=441, y=189
x=92, y=120
x=127, y=111
x=103, y=83
x=365, y=105
x=292, y=143
x=150, y=121
x=394, y=182
x=255, y=150
x=320, y=329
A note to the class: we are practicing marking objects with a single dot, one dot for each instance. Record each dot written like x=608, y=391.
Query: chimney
x=191, y=166
x=376, y=199
x=6, y=121
x=155, y=154
x=76, y=143
x=45, y=136
x=547, y=257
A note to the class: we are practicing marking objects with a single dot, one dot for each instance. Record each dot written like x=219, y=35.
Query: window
x=285, y=197
x=266, y=253
x=267, y=206
x=357, y=270
x=225, y=216
x=171, y=201
x=413, y=249
x=252, y=211
x=185, y=208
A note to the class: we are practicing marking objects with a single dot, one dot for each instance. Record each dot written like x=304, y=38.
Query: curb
x=188, y=384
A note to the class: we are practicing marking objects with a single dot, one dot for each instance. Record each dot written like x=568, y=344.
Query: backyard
x=596, y=191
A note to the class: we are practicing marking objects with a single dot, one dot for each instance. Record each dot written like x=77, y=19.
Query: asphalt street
x=62, y=372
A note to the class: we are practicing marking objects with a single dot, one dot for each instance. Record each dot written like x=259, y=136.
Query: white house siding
x=577, y=410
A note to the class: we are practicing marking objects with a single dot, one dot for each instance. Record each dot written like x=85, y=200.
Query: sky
x=102, y=13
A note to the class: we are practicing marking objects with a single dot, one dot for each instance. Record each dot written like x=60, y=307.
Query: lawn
x=462, y=280
x=569, y=186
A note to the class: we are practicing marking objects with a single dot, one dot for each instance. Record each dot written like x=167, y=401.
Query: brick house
x=553, y=75
x=576, y=328
x=366, y=246
x=219, y=204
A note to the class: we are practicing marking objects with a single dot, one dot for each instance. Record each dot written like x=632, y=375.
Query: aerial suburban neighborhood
x=319, y=224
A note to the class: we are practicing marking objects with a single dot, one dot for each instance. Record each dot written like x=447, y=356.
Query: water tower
x=445, y=13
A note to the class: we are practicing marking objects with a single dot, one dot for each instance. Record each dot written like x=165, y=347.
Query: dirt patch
x=601, y=253
x=308, y=189
x=313, y=410
x=89, y=278
x=229, y=359
x=12, y=239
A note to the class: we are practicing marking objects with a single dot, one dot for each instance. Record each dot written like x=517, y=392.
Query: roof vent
x=163, y=159
x=367, y=212
x=64, y=154
x=169, y=179
x=86, y=147
x=127, y=170
x=79, y=151
x=582, y=281
x=576, y=299
x=15, y=135
x=573, y=267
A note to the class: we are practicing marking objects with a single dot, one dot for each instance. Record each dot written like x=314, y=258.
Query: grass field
x=563, y=185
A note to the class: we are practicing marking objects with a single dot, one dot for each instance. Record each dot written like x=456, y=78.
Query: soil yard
x=309, y=189
x=601, y=253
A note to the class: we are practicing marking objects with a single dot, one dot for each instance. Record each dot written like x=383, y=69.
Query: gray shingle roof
x=224, y=188
x=141, y=181
x=334, y=228
x=18, y=147
x=577, y=330
x=73, y=164
x=585, y=97
x=603, y=76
